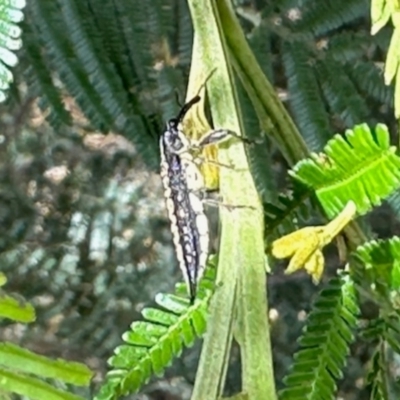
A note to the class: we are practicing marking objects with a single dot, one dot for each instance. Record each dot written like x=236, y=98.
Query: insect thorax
x=174, y=140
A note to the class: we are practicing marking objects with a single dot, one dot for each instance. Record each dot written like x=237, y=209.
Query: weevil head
x=173, y=138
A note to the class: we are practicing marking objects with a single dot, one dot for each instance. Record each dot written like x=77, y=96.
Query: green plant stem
x=261, y=92
x=241, y=259
x=274, y=118
x=214, y=358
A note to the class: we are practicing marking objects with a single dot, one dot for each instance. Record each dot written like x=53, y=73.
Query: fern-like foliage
x=315, y=18
x=152, y=344
x=375, y=268
x=383, y=334
x=322, y=52
x=306, y=100
x=10, y=15
x=361, y=166
x=122, y=62
x=341, y=93
x=24, y=372
x=376, y=377
x=335, y=174
x=333, y=79
x=115, y=60
x=324, y=344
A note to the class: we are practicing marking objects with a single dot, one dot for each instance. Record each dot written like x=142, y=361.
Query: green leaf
x=305, y=95
x=376, y=377
x=158, y=316
x=392, y=58
x=359, y=166
x=324, y=344
x=376, y=265
x=152, y=344
x=368, y=79
x=341, y=93
x=15, y=309
x=323, y=17
x=380, y=14
x=10, y=42
x=17, y=358
x=32, y=388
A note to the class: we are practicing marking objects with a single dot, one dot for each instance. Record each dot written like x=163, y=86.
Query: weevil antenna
x=195, y=99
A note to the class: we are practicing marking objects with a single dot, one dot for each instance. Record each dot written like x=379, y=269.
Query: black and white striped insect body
x=183, y=186
x=184, y=193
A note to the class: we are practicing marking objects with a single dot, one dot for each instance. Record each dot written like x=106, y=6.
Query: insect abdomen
x=189, y=224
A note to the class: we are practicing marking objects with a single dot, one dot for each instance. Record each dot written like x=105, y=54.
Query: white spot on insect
x=204, y=240
x=196, y=203
x=194, y=178
x=180, y=212
x=189, y=257
x=202, y=224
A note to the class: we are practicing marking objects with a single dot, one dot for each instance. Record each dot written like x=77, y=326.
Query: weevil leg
x=229, y=207
x=186, y=153
x=217, y=136
x=213, y=162
x=213, y=137
x=203, y=194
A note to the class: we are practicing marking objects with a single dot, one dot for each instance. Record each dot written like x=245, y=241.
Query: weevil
x=185, y=194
